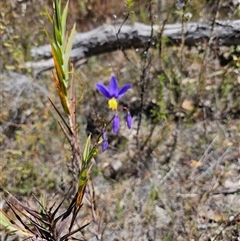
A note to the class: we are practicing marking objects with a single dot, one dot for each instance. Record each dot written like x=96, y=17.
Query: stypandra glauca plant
x=46, y=223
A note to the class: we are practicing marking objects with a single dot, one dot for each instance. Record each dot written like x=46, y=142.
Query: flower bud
x=105, y=141
x=129, y=120
x=115, y=124
x=104, y=145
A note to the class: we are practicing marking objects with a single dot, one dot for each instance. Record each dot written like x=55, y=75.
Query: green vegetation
x=175, y=175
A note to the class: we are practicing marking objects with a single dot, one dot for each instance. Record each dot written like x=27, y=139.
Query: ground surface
x=174, y=176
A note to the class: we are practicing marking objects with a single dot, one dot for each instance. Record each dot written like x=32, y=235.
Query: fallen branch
x=104, y=39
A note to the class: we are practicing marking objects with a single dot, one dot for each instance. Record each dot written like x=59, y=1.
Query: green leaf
x=48, y=36
x=82, y=179
x=58, y=36
x=56, y=52
x=82, y=182
x=54, y=34
x=93, y=153
x=43, y=203
x=62, y=96
x=70, y=43
x=57, y=57
x=48, y=15
x=11, y=226
x=64, y=19
x=58, y=14
x=86, y=150
x=68, y=50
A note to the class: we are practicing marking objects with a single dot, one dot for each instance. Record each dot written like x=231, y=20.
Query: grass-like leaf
x=81, y=187
x=64, y=20
x=70, y=42
x=48, y=15
x=86, y=150
x=62, y=96
x=58, y=11
x=11, y=226
x=58, y=36
x=92, y=153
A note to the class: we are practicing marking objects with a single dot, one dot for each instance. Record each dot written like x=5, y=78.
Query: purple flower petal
x=113, y=87
x=103, y=89
x=123, y=90
x=105, y=141
x=179, y=4
x=104, y=145
x=129, y=120
x=115, y=124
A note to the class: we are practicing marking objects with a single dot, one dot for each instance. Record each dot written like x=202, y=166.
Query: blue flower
x=105, y=141
x=115, y=123
x=179, y=4
x=104, y=145
x=129, y=120
x=113, y=93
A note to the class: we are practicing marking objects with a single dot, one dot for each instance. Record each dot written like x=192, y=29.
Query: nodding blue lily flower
x=113, y=93
x=115, y=123
x=104, y=145
x=105, y=141
x=179, y=4
x=129, y=120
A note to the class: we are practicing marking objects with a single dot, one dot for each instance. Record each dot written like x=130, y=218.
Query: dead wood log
x=108, y=38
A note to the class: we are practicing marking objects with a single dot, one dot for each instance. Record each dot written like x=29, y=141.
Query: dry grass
x=174, y=178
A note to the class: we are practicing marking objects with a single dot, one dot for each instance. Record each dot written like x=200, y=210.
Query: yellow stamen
x=112, y=104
